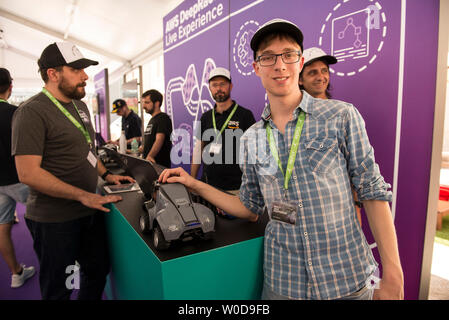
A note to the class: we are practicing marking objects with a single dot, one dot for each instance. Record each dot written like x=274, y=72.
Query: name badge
x=92, y=159
x=284, y=212
x=215, y=148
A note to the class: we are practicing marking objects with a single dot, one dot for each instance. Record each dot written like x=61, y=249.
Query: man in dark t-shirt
x=131, y=123
x=157, y=145
x=219, y=137
x=11, y=191
x=52, y=140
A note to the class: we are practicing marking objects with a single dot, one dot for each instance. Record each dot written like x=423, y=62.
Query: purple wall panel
x=101, y=85
x=421, y=49
x=187, y=65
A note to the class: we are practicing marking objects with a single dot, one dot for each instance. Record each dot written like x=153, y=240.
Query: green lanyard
x=3, y=100
x=69, y=116
x=225, y=124
x=293, y=150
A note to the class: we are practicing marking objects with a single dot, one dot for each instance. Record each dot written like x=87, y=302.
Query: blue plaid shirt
x=325, y=255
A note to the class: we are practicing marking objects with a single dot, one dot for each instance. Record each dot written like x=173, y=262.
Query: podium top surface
x=227, y=232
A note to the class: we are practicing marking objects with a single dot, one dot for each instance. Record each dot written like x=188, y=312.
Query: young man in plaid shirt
x=298, y=163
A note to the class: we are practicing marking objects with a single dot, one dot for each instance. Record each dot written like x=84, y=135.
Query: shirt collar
x=129, y=114
x=227, y=110
x=306, y=105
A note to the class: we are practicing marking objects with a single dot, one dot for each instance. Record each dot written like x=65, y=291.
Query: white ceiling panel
x=114, y=32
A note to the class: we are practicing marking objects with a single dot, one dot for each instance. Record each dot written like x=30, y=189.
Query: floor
x=439, y=282
x=23, y=244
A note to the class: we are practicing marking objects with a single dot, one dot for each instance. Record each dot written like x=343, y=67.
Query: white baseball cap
x=313, y=54
x=220, y=72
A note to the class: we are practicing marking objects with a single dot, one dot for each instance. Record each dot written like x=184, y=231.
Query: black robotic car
x=170, y=212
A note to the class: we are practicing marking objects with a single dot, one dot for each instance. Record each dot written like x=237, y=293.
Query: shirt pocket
x=322, y=155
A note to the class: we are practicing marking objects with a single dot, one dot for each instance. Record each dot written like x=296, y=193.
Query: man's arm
x=372, y=190
x=229, y=203
x=157, y=145
x=196, y=158
x=111, y=178
x=30, y=173
x=382, y=227
x=113, y=142
x=138, y=139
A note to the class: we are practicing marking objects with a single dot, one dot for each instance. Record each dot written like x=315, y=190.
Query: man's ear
x=53, y=74
x=256, y=68
x=301, y=64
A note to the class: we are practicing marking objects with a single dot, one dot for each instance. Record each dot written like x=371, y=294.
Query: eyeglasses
x=289, y=57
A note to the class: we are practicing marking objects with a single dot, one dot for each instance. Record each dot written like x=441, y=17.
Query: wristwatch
x=104, y=175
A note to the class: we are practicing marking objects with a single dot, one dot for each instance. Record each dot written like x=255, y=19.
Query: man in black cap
x=11, y=190
x=52, y=142
x=131, y=122
x=299, y=162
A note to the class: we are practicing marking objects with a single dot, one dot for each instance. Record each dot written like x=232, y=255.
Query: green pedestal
x=226, y=267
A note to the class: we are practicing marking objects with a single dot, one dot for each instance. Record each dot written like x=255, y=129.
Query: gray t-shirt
x=40, y=128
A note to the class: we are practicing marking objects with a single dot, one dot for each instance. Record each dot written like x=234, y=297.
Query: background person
x=11, y=190
x=315, y=79
x=225, y=118
x=157, y=144
x=131, y=122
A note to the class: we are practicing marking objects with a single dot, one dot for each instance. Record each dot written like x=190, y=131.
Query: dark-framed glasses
x=289, y=57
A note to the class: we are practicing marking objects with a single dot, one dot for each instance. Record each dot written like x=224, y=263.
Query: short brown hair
x=154, y=96
x=5, y=80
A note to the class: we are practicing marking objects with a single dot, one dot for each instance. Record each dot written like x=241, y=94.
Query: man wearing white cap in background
x=299, y=162
x=52, y=140
x=315, y=79
x=219, y=135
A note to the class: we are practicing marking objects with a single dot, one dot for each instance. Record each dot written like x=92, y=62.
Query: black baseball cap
x=63, y=54
x=117, y=104
x=276, y=25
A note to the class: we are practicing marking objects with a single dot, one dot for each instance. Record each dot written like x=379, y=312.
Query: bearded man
x=218, y=139
x=52, y=141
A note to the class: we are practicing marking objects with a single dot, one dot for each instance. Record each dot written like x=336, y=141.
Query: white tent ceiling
x=119, y=34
